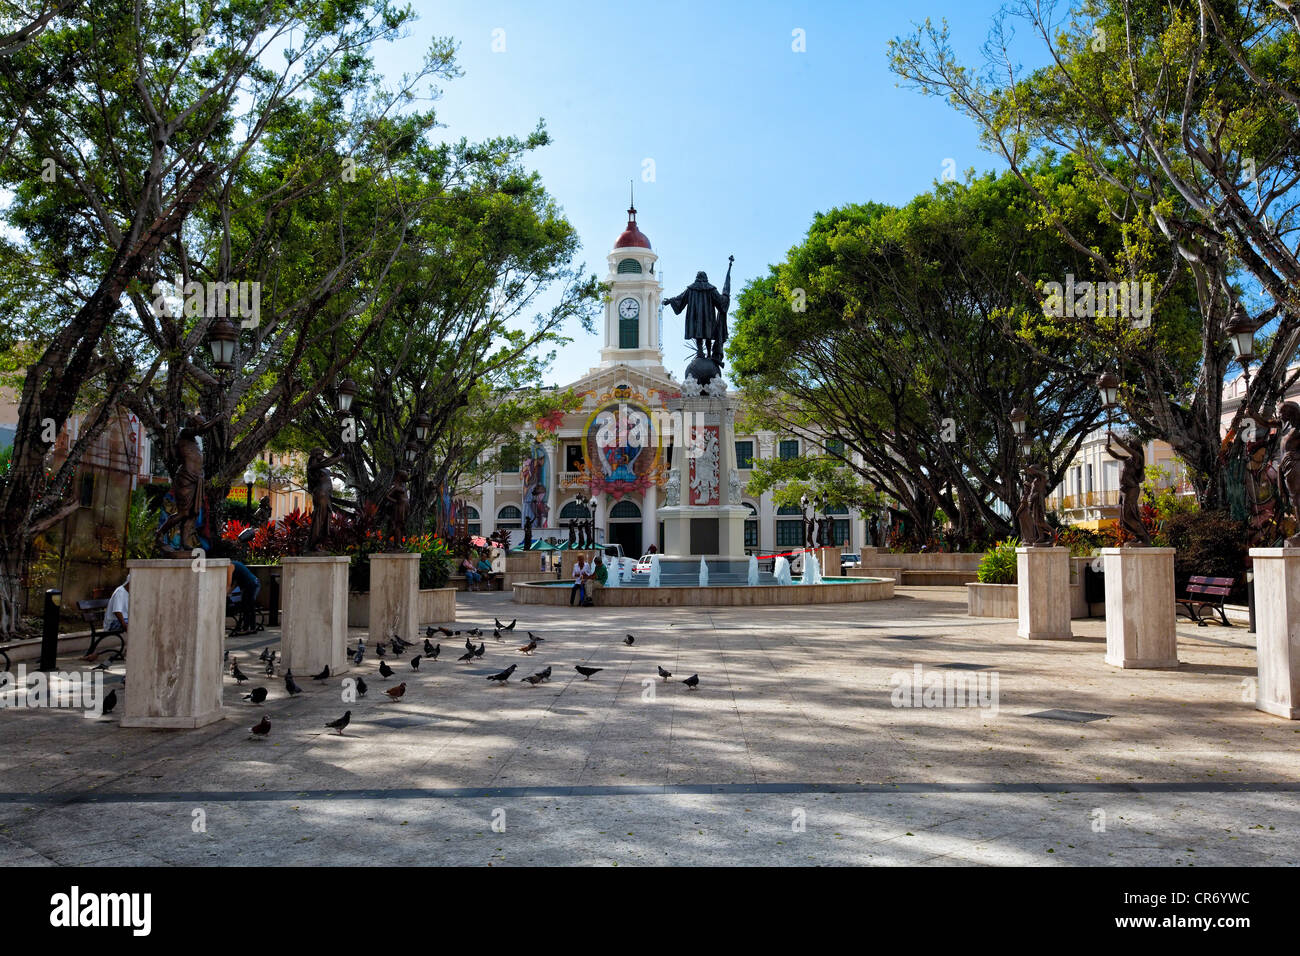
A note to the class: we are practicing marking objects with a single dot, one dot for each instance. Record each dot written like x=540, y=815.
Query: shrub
x=1212, y=543
x=998, y=566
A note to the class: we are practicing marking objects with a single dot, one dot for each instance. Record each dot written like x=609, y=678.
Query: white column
x=649, y=519
x=488, y=511
x=766, y=510
x=1140, y=607
x=1043, y=593
x=553, y=485
x=1277, y=630
x=598, y=512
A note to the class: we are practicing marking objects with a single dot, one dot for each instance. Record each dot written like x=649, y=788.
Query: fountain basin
x=829, y=591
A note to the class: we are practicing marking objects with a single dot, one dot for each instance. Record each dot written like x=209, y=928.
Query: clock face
x=629, y=308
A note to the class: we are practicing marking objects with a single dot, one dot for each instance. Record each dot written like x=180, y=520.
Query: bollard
x=50, y=634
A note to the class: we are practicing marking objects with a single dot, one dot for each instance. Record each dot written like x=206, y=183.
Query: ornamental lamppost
x=250, y=477
x=347, y=391
x=1019, y=420
x=222, y=339
x=423, y=426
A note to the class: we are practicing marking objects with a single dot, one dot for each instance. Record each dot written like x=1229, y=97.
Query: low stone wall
x=722, y=596
x=435, y=606
x=992, y=600
x=921, y=561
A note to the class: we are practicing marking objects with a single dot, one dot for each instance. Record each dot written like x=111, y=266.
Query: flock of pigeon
x=429, y=652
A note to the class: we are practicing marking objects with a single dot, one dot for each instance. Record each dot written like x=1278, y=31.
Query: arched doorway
x=625, y=527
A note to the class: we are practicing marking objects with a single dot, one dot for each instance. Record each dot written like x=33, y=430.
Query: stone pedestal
x=1277, y=630
x=1140, y=607
x=703, y=513
x=394, y=595
x=315, y=601
x=1043, y=593
x=174, y=642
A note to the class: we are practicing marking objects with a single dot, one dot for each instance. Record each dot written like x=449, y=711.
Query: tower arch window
x=629, y=265
x=509, y=517
x=629, y=333
x=625, y=509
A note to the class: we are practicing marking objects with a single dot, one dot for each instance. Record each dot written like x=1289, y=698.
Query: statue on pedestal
x=528, y=532
x=397, y=501
x=573, y=533
x=1289, y=470
x=321, y=485
x=1132, y=473
x=706, y=322
x=1031, y=514
x=187, y=486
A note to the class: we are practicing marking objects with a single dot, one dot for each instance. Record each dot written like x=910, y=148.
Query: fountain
x=654, y=571
x=704, y=573
x=781, y=571
x=615, y=568
x=753, y=570
x=812, y=571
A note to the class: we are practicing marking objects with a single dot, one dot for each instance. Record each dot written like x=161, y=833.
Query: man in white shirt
x=115, y=614
x=580, y=575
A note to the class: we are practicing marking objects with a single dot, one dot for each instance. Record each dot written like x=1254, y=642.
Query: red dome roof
x=632, y=236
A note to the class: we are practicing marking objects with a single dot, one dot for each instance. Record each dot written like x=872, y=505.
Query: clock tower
x=632, y=306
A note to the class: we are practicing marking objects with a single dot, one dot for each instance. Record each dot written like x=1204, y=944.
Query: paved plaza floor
x=794, y=749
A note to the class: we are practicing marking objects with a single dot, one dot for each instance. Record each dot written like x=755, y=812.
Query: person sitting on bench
x=472, y=576
x=245, y=581
x=116, y=612
x=580, y=575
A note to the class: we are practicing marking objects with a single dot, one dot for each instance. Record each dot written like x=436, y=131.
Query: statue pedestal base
x=707, y=531
x=1043, y=593
x=174, y=643
x=1277, y=630
x=394, y=595
x=1140, y=607
x=315, y=601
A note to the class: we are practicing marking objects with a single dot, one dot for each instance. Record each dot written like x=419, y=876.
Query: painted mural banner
x=624, y=449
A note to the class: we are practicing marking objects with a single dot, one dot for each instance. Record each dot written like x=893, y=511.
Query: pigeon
x=478, y=651
x=415, y=662
x=504, y=675
x=396, y=692
x=534, y=637
x=433, y=654
x=257, y=696
x=384, y=670
x=323, y=675
x=476, y=631
x=270, y=668
x=428, y=647
x=505, y=627
x=528, y=648
x=266, y=654
x=629, y=640
x=225, y=655
x=109, y=703
x=692, y=682
x=444, y=631
x=469, y=645
x=291, y=685
x=262, y=727
x=361, y=687
x=361, y=652
x=237, y=674
x=399, y=645
x=534, y=680
x=586, y=672
x=341, y=722
x=467, y=656
x=546, y=674
x=380, y=649
x=665, y=674
x=497, y=635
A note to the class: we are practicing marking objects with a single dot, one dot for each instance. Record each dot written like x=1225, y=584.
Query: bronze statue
x=1031, y=513
x=320, y=483
x=706, y=320
x=528, y=532
x=263, y=513
x=187, y=486
x=573, y=533
x=1132, y=473
x=397, y=500
x=1289, y=470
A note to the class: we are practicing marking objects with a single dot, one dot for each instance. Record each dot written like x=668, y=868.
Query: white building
x=628, y=388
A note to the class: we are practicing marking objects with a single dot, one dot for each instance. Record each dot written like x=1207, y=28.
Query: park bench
x=1203, y=592
x=92, y=612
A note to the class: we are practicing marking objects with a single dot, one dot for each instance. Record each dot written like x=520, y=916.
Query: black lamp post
x=347, y=391
x=412, y=451
x=423, y=426
x=222, y=339
x=1019, y=420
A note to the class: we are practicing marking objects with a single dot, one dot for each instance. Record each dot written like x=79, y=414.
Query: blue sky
x=748, y=138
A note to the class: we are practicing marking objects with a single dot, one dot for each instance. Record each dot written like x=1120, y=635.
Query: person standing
x=580, y=575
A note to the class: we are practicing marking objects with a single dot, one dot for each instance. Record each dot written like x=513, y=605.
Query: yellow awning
x=1096, y=524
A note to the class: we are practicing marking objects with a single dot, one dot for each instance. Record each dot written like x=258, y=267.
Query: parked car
x=643, y=565
x=850, y=560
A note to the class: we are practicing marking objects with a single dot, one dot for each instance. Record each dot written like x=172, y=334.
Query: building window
x=625, y=509
x=744, y=454
x=629, y=265
x=629, y=333
x=574, y=511
x=509, y=517
x=751, y=527
x=839, y=526
x=572, y=457
x=835, y=447
x=789, y=449
x=789, y=532
x=509, y=459
x=87, y=489
x=473, y=522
